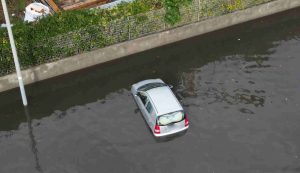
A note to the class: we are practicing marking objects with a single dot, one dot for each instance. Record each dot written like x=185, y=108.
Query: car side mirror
x=170, y=86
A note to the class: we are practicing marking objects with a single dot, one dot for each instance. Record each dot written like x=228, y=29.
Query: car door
x=142, y=99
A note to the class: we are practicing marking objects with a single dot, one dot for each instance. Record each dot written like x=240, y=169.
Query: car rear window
x=170, y=118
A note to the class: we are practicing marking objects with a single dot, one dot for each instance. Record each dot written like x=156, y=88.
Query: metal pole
x=129, y=34
x=199, y=10
x=14, y=51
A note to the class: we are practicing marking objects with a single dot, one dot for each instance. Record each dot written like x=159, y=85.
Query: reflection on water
x=239, y=87
x=214, y=90
x=32, y=140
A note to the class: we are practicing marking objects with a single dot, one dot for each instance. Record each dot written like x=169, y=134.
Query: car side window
x=143, y=97
x=149, y=107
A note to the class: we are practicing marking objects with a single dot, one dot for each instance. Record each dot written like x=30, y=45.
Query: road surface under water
x=239, y=86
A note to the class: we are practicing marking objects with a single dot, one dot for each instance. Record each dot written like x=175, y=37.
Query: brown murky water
x=240, y=87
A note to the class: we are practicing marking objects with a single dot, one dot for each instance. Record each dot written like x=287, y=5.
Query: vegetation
x=172, y=8
x=16, y=7
x=69, y=33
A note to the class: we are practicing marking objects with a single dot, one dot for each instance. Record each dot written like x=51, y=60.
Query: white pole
x=13, y=48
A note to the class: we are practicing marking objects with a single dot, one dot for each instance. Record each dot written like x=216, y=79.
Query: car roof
x=164, y=100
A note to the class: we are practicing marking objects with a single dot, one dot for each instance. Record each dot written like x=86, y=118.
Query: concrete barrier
x=120, y=50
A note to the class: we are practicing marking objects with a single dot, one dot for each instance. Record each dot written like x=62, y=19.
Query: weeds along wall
x=73, y=32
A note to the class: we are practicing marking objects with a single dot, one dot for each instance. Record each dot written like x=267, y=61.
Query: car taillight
x=186, y=121
x=157, y=129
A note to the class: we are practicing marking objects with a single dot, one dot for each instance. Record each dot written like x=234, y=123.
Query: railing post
x=129, y=34
x=198, y=10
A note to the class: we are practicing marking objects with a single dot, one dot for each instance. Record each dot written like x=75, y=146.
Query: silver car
x=160, y=108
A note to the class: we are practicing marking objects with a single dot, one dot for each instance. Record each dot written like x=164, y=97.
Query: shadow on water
x=33, y=142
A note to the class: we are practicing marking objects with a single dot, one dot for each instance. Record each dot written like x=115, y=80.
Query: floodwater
x=239, y=86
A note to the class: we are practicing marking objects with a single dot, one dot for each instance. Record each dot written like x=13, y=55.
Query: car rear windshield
x=170, y=118
x=151, y=86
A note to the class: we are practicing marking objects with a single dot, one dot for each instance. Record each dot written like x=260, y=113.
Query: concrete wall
x=120, y=50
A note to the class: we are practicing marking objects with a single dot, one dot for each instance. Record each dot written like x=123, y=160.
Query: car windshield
x=151, y=86
x=170, y=118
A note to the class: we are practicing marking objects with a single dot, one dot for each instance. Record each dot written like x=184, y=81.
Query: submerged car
x=160, y=108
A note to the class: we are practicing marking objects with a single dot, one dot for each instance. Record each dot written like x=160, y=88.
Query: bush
x=172, y=7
